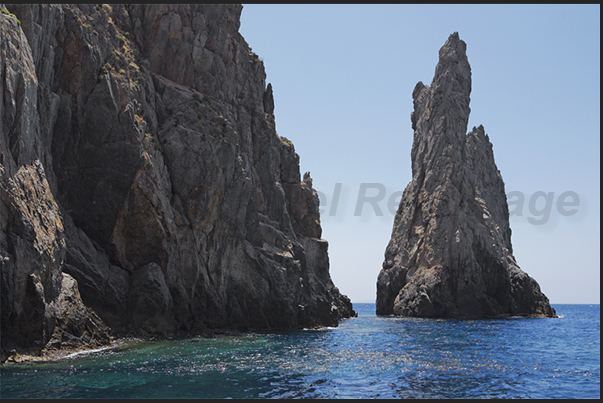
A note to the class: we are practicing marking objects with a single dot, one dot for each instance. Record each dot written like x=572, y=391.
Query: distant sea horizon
x=368, y=356
x=365, y=301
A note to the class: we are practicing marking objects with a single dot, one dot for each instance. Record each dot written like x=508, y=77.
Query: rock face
x=140, y=169
x=450, y=254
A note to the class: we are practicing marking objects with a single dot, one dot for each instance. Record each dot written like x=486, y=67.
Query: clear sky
x=343, y=76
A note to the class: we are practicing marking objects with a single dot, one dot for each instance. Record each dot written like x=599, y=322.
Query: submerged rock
x=450, y=253
x=139, y=158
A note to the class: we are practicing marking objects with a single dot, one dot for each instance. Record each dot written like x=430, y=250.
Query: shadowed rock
x=140, y=165
x=450, y=253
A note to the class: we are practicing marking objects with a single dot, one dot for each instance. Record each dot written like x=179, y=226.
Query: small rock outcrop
x=450, y=253
x=143, y=187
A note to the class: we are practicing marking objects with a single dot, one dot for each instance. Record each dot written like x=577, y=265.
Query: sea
x=368, y=356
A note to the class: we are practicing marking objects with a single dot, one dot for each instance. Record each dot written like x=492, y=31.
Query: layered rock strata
x=450, y=253
x=143, y=187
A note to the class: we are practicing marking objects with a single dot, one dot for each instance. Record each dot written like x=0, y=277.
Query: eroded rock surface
x=140, y=168
x=450, y=253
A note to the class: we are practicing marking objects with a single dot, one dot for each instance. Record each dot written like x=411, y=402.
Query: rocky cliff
x=143, y=187
x=450, y=252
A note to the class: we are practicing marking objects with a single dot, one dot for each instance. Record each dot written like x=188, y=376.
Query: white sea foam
x=320, y=328
x=86, y=352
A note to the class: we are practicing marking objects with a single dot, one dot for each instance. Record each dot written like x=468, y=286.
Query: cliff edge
x=450, y=253
x=143, y=187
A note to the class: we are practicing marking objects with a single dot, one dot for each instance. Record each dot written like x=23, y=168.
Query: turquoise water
x=365, y=357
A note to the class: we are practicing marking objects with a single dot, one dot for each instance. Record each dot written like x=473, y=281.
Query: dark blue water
x=365, y=357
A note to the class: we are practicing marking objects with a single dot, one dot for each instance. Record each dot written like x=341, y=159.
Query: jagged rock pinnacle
x=450, y=253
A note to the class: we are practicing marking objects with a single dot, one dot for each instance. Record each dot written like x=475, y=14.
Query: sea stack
x=144, y=189
x=450, y=253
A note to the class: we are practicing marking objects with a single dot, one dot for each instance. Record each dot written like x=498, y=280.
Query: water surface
x=365, y=357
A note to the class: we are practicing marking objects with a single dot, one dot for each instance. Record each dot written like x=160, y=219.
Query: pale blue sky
x=343, y=76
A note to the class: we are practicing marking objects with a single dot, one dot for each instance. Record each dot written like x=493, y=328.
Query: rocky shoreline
x=50, y=355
